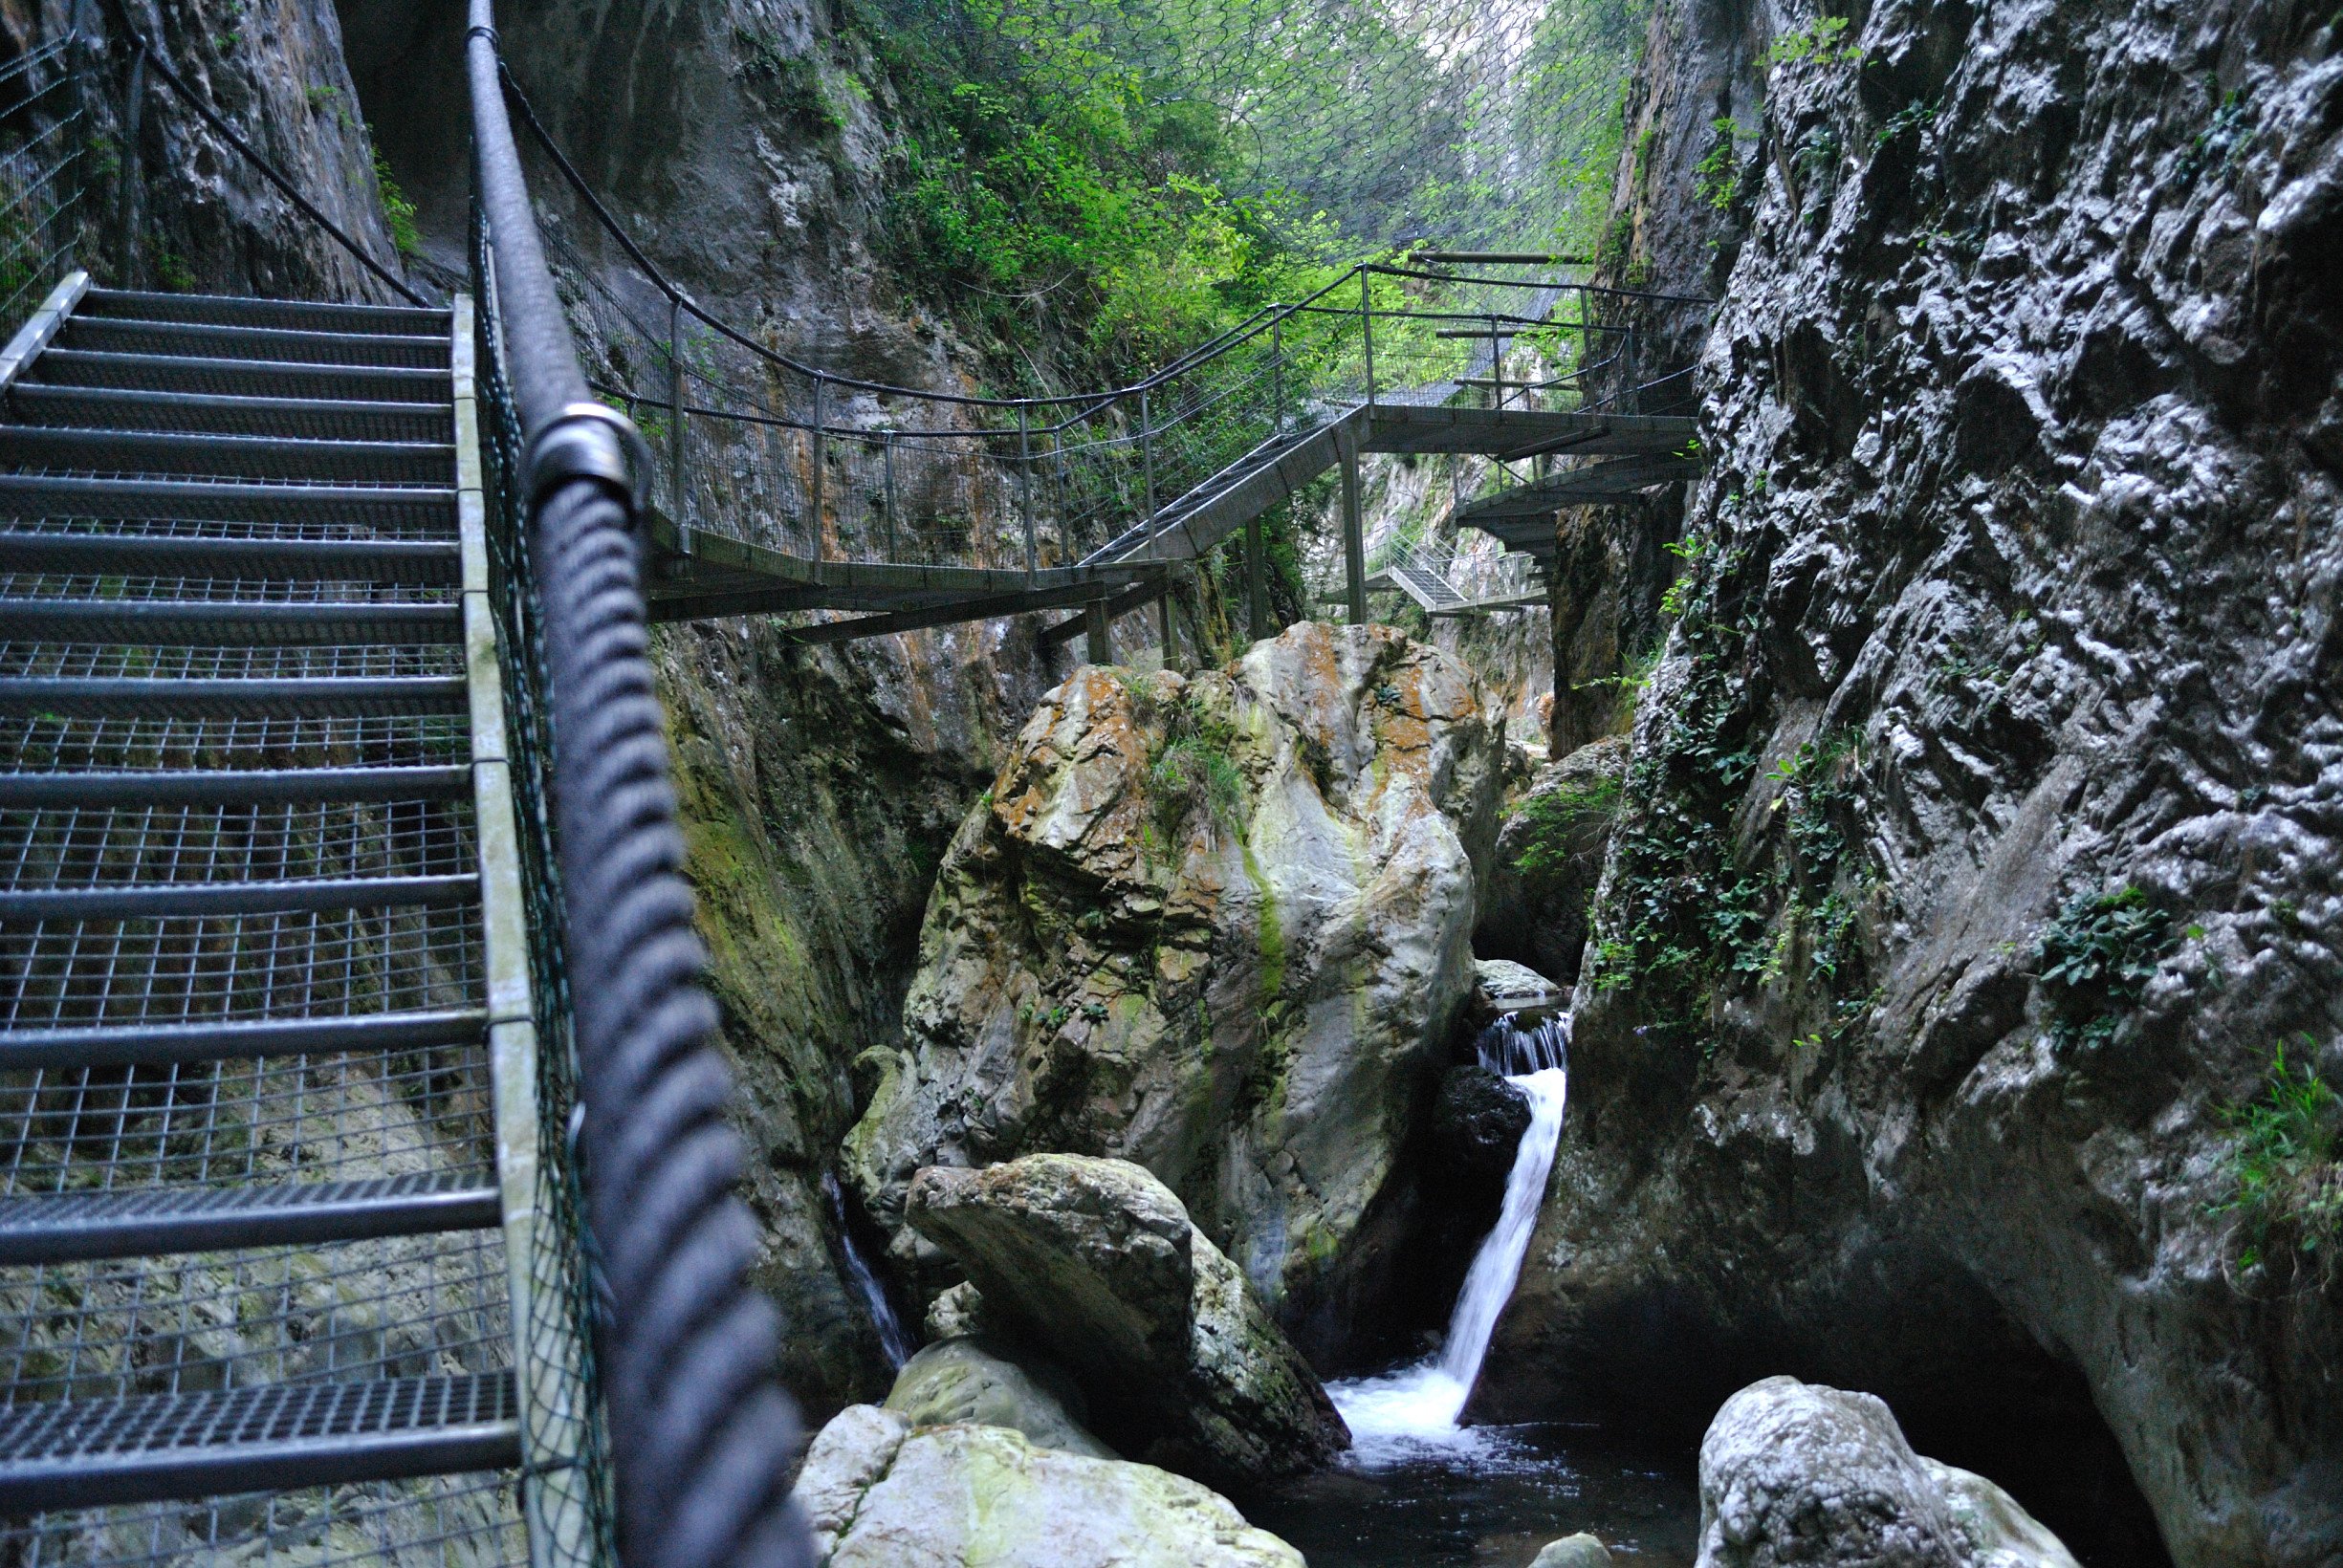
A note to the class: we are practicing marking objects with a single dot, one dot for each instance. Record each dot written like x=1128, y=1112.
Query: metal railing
x=761, y=447
x=700, y=1432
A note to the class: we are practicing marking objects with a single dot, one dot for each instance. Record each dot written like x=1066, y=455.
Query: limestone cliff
x=1219, y=926
x=1980, y=838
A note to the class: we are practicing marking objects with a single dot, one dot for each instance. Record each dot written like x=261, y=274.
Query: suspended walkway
x=784, y=486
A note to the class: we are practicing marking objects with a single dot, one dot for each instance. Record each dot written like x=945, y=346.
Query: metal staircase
x=259, y=912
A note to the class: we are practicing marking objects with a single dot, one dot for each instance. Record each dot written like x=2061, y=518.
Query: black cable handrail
x=701, y=1431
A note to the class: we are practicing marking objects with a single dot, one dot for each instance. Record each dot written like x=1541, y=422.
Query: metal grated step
x=134, y=408
x=76, y=1226
x=119, y=696
x=238, y=377
x=150, y=623
x=202, y=339
x=164, y=901
x=236, y=310
x=83, y=1453
x=257, y=786
x=127, y=553
x=164, y=1043
x=155, y=452
x=199, y=500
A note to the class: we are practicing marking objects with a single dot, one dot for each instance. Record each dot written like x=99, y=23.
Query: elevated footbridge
x=781, y=485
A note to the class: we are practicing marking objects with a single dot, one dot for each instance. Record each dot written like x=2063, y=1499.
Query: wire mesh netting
x=570, y=1501
x=400, y=1306
x=44, y=153
x=439, y=1522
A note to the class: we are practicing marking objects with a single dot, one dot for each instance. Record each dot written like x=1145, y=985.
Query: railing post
x=1354, y=534
x=820, y=459
x=133, y=178
x=1024, y=491
x=1277, y=372
x=1146, y=466
x=1497, y=366
x=679, y=496
x=888, y=504
x=1366, y=328
x=1057, y=492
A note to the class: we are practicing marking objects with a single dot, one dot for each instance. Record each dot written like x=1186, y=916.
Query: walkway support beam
x=1098, y=633
x=1257, y=580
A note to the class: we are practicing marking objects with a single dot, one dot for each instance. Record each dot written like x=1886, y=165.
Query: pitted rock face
x=1796, y=1474
x=2012, y=596
x=1218, y=925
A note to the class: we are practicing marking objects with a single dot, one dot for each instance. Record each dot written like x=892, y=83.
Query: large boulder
x=1218, y=924
x=968, y=1382
x=1097, y=1260
x=1795, y=1473
x=881, y=1493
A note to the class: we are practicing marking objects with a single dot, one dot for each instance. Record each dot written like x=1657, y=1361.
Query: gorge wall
x=1980, y=837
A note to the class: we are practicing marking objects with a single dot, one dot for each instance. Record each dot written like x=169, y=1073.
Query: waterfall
x=1414, y=1410
x=892, y=1339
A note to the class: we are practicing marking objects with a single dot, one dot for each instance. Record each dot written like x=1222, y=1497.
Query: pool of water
x=1488, y=1497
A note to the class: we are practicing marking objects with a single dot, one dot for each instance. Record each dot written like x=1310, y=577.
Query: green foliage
x=790, y=84
x=1824, y=43
x=1561, y=824
x=1040, y=185
x=1192, y=768
x=1717, y=177
x=396, y=210
x=2097, y=956
x=2287, y=1162
x=1912, y=117
x=2216, y=148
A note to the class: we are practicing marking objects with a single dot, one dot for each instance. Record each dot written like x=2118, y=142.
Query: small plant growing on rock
x=1192, y=768
x=2097, y=957
x=2287, y=1162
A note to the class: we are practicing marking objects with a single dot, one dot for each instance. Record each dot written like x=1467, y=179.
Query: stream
x=1420, y=1490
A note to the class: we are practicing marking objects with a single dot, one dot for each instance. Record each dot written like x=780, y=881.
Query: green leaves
x=2289, y=1198
x=2097, y=956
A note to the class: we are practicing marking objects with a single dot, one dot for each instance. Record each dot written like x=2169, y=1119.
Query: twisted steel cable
x=701, y=1430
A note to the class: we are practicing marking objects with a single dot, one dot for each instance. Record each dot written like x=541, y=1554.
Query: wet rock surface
x=1549, y=856
x=1795, y=1474
x=883, y=1493
x=1218, y=925
x=970, y=1381
x=1981, y=830
x=1096, y=1260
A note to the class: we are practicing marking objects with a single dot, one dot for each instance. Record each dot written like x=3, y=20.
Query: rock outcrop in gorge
x=880, y=1493
x=1218, y=925
x=1094, y=1264
x=1981, y=831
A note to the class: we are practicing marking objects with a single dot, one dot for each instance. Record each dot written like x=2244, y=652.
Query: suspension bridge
x=368, y=1184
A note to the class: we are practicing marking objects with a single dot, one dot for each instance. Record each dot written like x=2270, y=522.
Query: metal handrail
x=701, y=1433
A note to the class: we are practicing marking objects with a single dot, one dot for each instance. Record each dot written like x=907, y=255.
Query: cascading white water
x=892, y=1340
x=1407, y=1413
